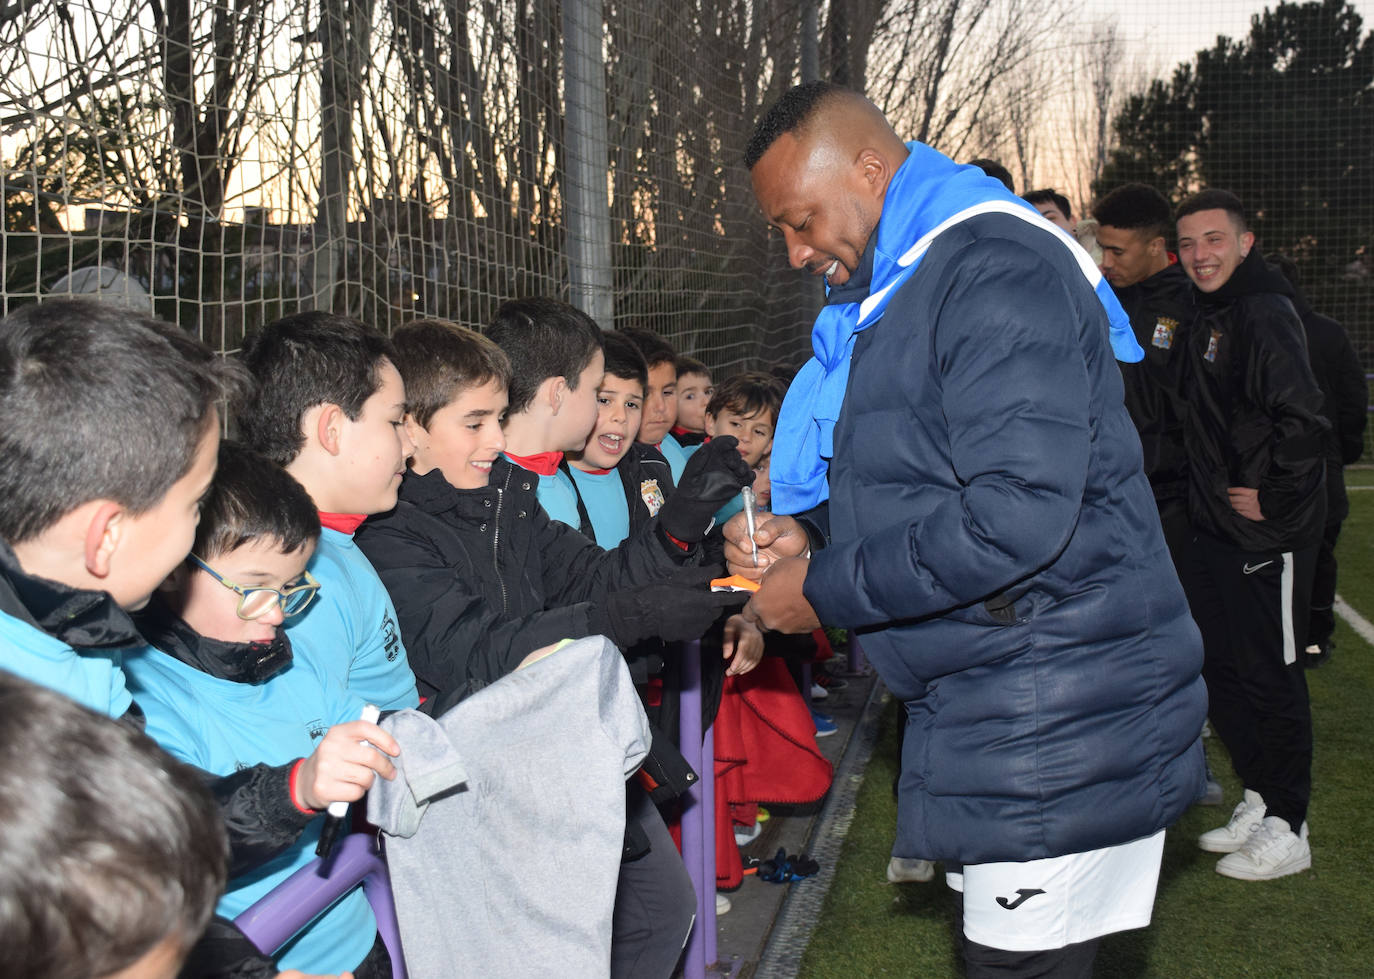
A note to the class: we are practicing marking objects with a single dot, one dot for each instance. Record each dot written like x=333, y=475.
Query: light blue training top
x=603, y=494
x=222, y=727
x=350, y=629
x=676, y=456
x=93, y=678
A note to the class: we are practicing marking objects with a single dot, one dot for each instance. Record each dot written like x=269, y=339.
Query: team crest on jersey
x=1213, y=342
x=651, y=494
x=1164, y=333
x=391, y=639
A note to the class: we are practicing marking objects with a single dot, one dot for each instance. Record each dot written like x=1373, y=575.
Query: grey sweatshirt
x=505, y=821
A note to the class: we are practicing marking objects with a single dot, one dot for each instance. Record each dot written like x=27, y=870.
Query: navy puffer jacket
x=992, y=535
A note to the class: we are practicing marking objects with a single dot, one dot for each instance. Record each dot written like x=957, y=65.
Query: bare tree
x=938, y=67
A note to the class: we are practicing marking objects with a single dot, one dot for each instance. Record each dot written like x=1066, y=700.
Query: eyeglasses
x=254, y=603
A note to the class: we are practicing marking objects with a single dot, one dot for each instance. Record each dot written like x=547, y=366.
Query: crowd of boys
x=373, y=536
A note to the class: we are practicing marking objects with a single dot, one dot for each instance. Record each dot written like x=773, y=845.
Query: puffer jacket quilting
x=995, y=540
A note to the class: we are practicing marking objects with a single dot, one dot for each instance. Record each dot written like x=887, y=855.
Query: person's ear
x=554, y=390
x=415, y=430
x=1156, y=246
x=105, y=529
x=323, y=424
x=711, y=425
x=875, y=170
x=1247, y=241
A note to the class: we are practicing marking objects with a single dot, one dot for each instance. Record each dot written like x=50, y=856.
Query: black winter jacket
x=1254, y=415
x=1345, y=392
x=1162, y=309
x=481, y=578
x=993, y=537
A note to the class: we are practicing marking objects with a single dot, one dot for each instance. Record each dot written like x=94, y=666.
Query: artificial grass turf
x=1313, y=924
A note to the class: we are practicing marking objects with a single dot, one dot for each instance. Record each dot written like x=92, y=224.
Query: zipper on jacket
x=496, y=543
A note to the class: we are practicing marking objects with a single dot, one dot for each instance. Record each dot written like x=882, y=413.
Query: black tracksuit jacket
x=1162, y=310
x=1254, y=416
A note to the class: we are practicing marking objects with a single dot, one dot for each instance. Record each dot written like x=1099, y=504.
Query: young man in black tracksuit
x=1133, y=221
x=481, y=578
x=1257, y=501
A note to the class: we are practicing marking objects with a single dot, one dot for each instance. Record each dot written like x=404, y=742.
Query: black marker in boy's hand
x=712, y=478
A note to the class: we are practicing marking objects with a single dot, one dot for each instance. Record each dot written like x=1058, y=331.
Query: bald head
x=820, y=162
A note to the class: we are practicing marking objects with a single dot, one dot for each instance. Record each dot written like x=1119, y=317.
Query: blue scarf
x=928, y=194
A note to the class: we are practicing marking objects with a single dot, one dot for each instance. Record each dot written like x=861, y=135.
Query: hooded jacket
x=994, y=541
x=1161, y=308
x=1255, y=414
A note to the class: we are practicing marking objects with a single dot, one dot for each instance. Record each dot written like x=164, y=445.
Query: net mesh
x=227, y=162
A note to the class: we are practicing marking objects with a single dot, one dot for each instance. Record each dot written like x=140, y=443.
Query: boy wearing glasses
x=222, y=691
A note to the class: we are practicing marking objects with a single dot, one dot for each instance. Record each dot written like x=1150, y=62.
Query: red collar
x=1173, y=259
x=679, y=430
x=542, y=463
x=592, y=472
x=344, y=523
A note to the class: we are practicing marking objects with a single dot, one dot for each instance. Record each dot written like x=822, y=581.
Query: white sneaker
x=902, y=870
x=1248, y=814
x=722, y=904
x=819, y=692
x=1272, y=850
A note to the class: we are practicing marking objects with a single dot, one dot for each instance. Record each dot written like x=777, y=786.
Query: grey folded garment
x=505, y=821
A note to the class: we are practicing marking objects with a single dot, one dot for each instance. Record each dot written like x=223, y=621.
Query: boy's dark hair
x=747, y=394
x=439, y=360
x=1135, y=207
x=1214, y=200
x=1048, y=195
x=995, y=170
x=110, y=846
x=253, y=498
x=787, y=115
x=98, y=402
x=690, y=365
x=655, y=349
x=301, y=361
x=543, y=338
x=624, y=360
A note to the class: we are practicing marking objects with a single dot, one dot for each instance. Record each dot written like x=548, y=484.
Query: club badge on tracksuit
x=1213, y=342
x=1165, y=328
x=652, y=496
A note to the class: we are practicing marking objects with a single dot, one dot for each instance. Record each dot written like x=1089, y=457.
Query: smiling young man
x=1257, y=503
x=1052, y=689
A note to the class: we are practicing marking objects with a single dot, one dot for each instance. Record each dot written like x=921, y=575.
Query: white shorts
x=1046, y=904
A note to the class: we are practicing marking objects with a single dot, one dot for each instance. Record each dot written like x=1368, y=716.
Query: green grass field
x=1320, y=923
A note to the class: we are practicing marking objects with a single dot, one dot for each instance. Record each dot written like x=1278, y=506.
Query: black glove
x=713, y=477
x=677, y=609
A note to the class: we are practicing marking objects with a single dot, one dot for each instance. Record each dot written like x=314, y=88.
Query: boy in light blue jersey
x=222, y=690
x=330, y=408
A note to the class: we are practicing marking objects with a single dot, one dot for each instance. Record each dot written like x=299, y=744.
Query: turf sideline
x=1354, y=619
